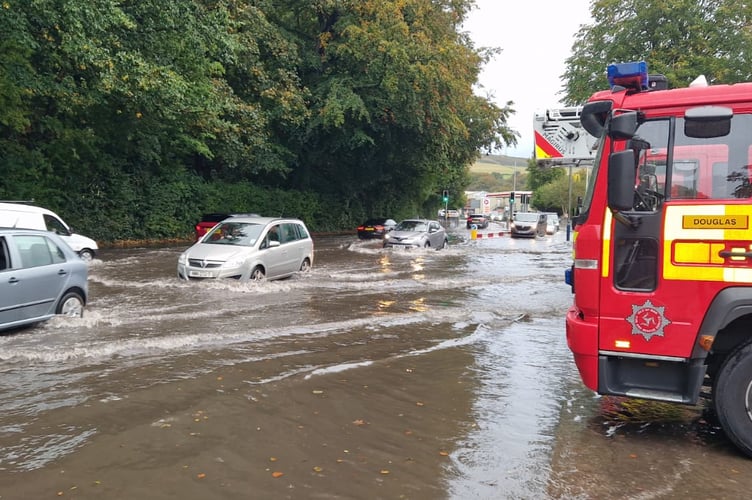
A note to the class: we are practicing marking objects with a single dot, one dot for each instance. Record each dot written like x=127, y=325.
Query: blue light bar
x=631, y=75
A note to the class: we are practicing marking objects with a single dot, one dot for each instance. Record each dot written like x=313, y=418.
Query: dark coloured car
x=208, y=221
x=480, y=221
x=375, y=228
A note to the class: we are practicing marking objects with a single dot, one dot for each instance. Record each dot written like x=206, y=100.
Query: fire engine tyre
x=732, y=398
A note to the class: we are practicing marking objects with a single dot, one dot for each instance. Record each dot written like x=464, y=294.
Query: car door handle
x=12, y=280
x=62, y=272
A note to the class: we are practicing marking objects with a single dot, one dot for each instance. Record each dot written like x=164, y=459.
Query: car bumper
x=198, y=273
x=393, y=244
x=370, y=235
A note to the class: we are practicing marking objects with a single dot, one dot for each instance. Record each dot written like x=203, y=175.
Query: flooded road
x=380, y=374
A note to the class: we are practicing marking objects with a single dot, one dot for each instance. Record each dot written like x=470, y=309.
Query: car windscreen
x=234, y=233
x=528, y=217
x=411, y=225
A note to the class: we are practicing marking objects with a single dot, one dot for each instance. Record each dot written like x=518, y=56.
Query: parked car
x=552, y=223
x=419, y=233
x=480, y=221
x=375, y=228
x=528, y=225
x=40, y=276
x=249, y=248
x=29, y=216
x=208, y=221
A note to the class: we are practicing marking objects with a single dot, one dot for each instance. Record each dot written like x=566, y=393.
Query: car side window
x=271, y=235
x=4, y=255
x=55, y=225
x=33, y=250
x=289, y=232
x=55, y=251
x=303, y=234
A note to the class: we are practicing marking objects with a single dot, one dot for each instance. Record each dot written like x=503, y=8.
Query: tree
x=680, y=39
x=555, y=195
x=394, y=119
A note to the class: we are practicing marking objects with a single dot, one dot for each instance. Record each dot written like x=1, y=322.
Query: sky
x=536, y=37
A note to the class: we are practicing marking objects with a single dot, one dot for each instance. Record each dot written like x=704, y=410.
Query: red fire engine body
x=662, y=244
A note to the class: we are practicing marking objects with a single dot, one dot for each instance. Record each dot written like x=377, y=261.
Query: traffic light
x=511, y=197
x=446, y=196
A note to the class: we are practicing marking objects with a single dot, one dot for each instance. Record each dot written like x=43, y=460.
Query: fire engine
x=662, y=246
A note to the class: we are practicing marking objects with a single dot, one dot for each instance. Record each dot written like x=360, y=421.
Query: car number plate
x=369, y=229
x=200, y=274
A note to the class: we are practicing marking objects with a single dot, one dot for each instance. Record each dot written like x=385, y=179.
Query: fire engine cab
x=662, y=246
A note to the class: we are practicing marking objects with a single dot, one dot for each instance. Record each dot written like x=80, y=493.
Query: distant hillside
x=488, y=164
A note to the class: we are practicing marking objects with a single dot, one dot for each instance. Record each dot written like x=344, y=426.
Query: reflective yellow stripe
x=606, y=259
x=700, y=233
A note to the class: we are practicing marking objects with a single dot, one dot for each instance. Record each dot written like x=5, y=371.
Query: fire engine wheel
x=732, y=397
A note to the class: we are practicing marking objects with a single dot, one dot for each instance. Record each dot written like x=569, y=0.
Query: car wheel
x=86, y=254
x=427, y=244
x=305, y=266
x=258, y=274
x=444, y=245
x=71, y=305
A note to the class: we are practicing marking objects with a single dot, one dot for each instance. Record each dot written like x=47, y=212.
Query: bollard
x=474, y=232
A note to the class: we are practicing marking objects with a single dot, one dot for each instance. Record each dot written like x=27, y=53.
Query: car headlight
x=183, y=258
x=235, y=262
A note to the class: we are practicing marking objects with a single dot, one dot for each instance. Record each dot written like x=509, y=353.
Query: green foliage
x=130, y=119
x=559, y=195
x=678, y=38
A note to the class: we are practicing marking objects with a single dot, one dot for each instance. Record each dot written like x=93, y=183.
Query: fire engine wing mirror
x=623, y=126
x=621, y=180
x=593, y=116
x=707, y=121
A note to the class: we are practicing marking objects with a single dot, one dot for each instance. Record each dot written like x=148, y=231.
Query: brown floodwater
x=381, y=374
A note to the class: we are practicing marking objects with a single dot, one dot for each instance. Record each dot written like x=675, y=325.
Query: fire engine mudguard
x=728, y=305
x=732, y=395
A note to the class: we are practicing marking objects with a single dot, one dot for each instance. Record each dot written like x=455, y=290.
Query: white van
x=26, y=216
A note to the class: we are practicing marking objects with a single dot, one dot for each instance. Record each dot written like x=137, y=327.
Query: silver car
x=40, y=276
x=249, y=248
x=417, y=233
x=528, y=225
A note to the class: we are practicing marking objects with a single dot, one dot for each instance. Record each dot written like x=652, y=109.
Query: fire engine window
x=715, y=168
x=636, y=264
x=692, y=168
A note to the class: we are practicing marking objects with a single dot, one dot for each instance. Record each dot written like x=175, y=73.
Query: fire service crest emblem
x=648, y=320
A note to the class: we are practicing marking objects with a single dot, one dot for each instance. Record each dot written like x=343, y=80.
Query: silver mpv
x=249, y=248
x=40, y=276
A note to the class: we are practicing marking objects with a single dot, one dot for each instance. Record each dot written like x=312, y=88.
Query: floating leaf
x=317, y=469
x=318, y=391
x=419, y=403
x=272, y=459
x=359, y=421
x=444, y=453
x=277, y=474
x=384, y=471
x=200, y=475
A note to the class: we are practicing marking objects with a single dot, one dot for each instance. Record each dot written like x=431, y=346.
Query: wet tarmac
x=379, y=374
